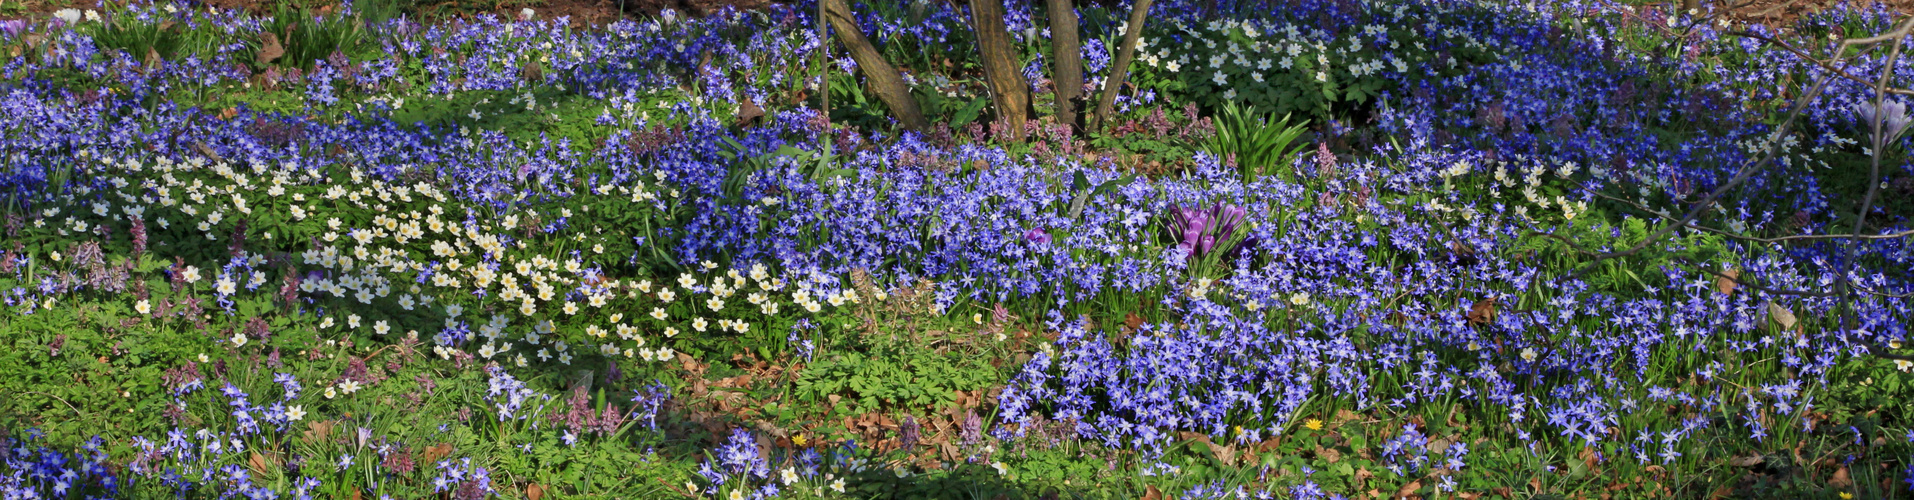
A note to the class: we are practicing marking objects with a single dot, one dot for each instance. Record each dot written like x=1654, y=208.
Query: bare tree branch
x=1817, y=61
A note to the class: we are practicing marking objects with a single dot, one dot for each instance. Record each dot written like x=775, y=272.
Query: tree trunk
x=1009, y=92
x=1067, y=55
x=1120, y=69
x=824, y=72
x=884, y=79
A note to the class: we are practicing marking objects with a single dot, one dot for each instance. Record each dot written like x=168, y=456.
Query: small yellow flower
x=799, y=440
x=1313, y=424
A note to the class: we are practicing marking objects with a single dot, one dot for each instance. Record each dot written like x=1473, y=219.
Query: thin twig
x=1783, y=239
x=1818, y=62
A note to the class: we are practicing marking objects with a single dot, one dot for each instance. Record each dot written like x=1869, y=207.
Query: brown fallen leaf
x=1151, y=493
x=317, y=431
x=749, y=112
x=764, y=447
x=1590, y=460
x=1725, y=284
x=153, y=60
x=1781, y=315
x=533, y=72
x=436, y=452
x=1841, y=479
x=258, y=463
x=1747, y=461
x=534, y=491
x=1225, y=453
x=1482, y=312
x=1409, y=489
x=269, y=48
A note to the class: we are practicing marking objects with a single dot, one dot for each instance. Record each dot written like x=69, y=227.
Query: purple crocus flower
x=1894, y=117
x=1198, y=231
x=13, y=27
x=1037, y=235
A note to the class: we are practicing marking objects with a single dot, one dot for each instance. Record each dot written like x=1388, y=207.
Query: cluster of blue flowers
x=1359, y=280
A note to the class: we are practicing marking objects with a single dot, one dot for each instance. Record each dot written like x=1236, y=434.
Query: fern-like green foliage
x=1259, y=141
